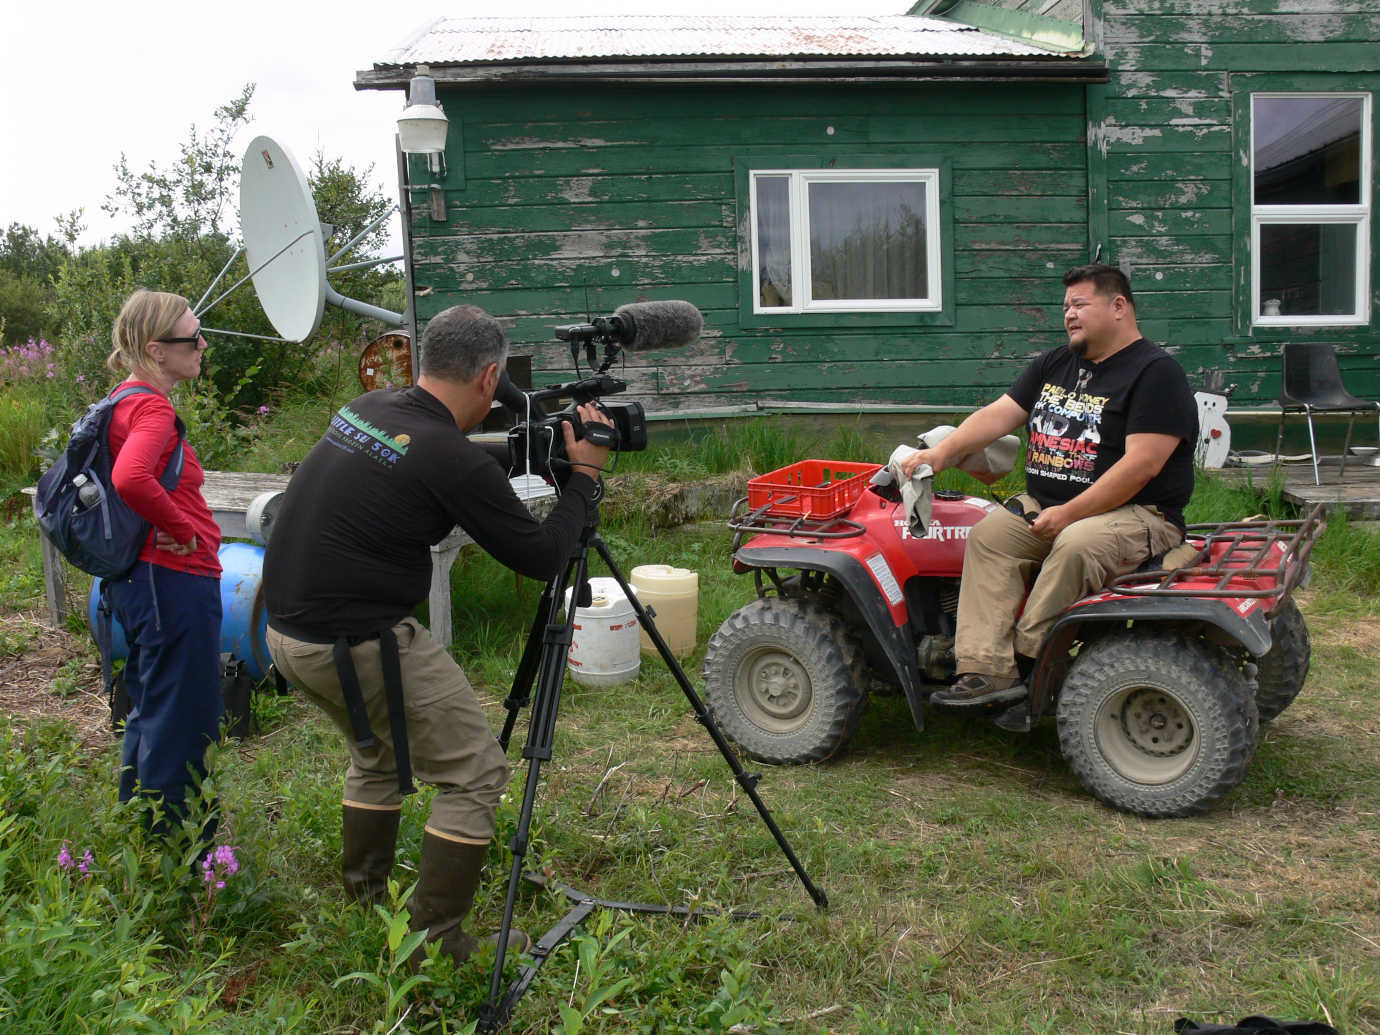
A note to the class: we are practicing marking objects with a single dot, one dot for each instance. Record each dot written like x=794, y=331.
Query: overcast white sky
x=89, y=80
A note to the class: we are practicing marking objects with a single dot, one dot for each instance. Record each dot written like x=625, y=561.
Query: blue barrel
x=244, y=621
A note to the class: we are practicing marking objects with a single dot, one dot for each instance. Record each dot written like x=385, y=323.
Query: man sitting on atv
x=1111, y=426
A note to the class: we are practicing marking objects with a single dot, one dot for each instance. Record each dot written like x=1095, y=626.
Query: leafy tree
x=193, y=197
x=178, y=243
x=28, y=264
x=184, y=230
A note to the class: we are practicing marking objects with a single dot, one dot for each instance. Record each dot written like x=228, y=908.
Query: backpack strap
x=172, y=473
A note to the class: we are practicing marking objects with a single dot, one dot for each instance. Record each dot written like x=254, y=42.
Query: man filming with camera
x=348, y=561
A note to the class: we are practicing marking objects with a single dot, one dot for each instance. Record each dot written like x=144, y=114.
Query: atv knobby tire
x=1285, y=666
x=1157, y=725
x=782, y=680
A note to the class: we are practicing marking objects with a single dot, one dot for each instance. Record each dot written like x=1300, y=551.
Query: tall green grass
x=23, y=421
x=962, y=863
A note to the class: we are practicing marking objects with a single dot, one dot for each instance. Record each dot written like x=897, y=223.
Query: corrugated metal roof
x=450, y=41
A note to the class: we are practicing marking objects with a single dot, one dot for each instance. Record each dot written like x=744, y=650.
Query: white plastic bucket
x=603, y=650
x=673, y=594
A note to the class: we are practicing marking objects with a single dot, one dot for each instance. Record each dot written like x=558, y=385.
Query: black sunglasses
x=194, y=339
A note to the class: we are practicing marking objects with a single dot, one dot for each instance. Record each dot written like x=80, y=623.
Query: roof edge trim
x=1055, y=68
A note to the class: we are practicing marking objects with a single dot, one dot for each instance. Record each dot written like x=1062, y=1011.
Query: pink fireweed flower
x=218, y=865
x=225, y=856
x=263, y=410
x=64, y=859
x=85, y=865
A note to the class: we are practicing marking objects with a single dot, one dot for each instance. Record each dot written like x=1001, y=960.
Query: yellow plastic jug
x=674, y=595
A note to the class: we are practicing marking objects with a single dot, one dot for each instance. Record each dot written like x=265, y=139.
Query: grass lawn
x=973, y=884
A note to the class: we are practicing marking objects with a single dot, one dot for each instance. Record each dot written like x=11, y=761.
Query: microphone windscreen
x=661, y=325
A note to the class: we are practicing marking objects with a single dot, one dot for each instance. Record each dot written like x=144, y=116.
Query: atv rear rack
x=1242, y=550
x=763, y=520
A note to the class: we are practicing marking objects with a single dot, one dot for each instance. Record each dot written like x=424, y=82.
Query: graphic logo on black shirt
x=1065, y=431
x=354, y=434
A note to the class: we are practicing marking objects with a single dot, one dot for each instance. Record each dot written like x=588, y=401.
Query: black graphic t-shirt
x=350, y=552
x=1080, y=415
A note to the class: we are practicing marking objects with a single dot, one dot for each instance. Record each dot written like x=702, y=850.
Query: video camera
x=537, y=443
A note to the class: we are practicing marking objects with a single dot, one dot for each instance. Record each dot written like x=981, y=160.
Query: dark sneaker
x=974, y=689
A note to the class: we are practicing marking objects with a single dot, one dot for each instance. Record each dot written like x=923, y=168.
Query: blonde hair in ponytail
x=146, y=316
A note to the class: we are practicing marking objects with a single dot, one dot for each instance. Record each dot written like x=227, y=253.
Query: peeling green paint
x=577, y=200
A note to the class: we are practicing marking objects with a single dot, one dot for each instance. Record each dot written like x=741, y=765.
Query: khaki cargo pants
x=1004, y=558
x=452, y=745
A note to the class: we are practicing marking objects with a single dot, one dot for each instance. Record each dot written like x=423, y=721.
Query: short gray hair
x=460, y=342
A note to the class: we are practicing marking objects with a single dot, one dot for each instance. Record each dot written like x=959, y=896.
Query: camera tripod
x=543, y=661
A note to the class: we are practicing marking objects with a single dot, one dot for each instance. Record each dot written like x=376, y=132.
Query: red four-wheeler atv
x=1159, y=683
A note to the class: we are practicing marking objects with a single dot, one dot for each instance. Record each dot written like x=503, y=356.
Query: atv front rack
x=1229, y=554
x=751, y=522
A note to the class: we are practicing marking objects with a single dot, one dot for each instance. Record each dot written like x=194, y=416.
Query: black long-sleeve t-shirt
x=350, y=551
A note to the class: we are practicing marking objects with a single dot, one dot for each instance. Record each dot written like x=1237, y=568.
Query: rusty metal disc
x=386, y=361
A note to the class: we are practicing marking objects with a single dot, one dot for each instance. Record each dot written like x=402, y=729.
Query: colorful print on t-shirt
x=1065, y=431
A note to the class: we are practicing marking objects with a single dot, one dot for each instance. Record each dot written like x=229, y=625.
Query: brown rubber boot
x=447, y=879
x=368, y=837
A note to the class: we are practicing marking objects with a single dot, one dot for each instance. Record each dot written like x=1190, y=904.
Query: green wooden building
x=875, y=212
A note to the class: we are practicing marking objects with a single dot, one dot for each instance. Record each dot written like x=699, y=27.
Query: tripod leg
x=746, y=780
x=520, y=695
x=555, y=648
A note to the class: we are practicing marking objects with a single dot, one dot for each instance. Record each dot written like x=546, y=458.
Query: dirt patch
x=52, y=674
x=1361, y=634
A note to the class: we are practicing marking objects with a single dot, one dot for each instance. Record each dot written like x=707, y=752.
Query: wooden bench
x=229, y=493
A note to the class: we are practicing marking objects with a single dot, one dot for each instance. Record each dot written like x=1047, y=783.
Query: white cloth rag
x=917, y=491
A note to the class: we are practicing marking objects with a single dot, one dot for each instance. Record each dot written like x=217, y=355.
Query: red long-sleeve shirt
x=142, y=439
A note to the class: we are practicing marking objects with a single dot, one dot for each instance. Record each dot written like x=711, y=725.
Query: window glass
x=867, y=240
x=1307, y=150
x=1311, y=208
x=772, y=206
x=844, y=241
x=1307, y=269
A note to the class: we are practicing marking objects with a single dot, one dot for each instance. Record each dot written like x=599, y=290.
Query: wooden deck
x=1357, y=492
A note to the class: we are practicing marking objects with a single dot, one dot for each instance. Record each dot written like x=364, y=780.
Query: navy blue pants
x=171, y=621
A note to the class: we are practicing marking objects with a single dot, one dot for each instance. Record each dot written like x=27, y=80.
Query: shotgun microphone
x=657, y=325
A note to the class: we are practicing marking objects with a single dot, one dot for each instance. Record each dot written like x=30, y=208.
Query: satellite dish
x=285, y=246
x=282, y=239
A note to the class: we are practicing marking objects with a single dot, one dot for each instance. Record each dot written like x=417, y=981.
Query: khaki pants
x=1004, y=557
x=452, y=745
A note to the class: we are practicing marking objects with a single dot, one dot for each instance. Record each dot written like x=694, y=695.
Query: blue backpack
x=77, y=508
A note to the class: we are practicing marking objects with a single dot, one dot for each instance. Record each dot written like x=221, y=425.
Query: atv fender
x=896, y=641
x=1251, y=631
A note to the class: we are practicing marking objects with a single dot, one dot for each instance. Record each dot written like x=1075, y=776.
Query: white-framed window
x=1310, y=209
x=845, y=240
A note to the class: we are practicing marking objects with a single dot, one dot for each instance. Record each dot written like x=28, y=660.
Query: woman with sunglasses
x=169, y=604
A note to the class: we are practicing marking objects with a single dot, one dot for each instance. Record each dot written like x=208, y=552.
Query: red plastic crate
x=815, y=489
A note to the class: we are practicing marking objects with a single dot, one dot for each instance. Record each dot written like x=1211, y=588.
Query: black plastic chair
x=1313, y=384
